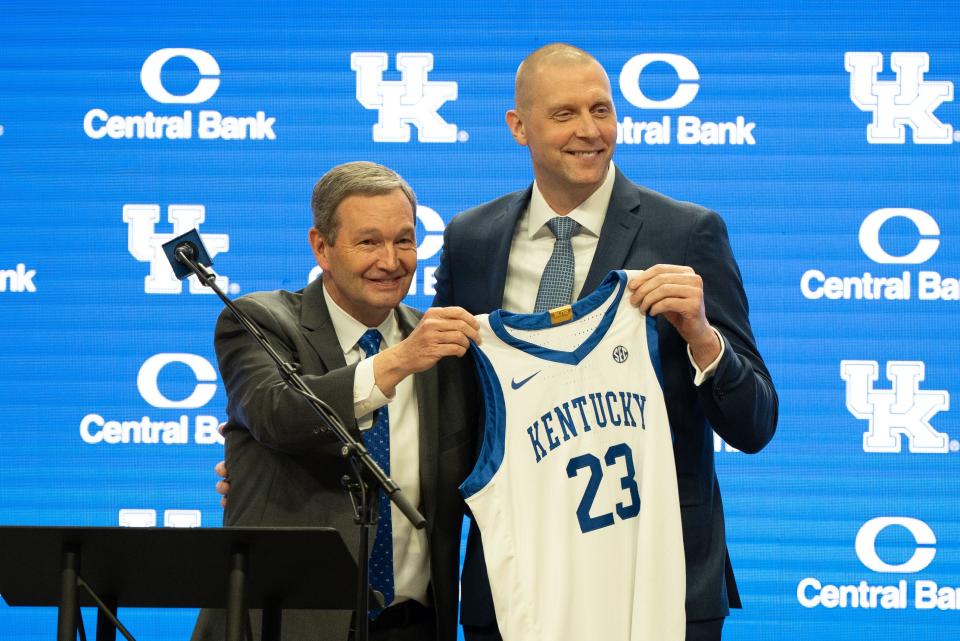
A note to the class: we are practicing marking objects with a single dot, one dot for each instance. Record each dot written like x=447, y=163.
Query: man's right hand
x=442, y=332
x=223, y=486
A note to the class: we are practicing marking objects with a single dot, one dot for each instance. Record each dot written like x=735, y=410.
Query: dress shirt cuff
x=702, y=376
x=367, y=397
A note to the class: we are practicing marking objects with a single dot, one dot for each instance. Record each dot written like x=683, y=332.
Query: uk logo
x=904, y=410
x=146, y=245
x=910, y=100
x=412, y=100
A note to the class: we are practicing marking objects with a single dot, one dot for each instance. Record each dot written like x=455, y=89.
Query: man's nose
x=587, y=126
x=389, y=259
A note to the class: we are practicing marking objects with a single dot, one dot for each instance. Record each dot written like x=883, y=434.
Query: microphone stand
x=362, y=494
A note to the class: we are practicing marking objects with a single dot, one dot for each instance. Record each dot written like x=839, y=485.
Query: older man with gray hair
x=396, y=380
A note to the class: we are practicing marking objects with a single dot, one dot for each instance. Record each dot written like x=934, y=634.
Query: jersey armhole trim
x=491, y=449
x=653, y=348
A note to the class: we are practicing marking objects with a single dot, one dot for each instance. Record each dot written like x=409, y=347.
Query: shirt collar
x=349, y=330
x=590, y=213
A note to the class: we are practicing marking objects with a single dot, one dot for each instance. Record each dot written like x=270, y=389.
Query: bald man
x=714, y=378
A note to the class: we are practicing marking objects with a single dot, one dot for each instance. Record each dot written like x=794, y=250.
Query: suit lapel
x=501, y=226
x=315, y=319
x=425, y=385
x=620, y=228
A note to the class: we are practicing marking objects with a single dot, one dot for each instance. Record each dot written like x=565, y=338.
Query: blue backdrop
x=821, y=131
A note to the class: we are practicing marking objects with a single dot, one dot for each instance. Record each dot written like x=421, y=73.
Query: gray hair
x=352, y=179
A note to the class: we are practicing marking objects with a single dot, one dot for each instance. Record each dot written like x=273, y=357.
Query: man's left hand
x=676, y=292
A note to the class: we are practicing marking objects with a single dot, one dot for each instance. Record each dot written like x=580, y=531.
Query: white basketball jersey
x=575, y=489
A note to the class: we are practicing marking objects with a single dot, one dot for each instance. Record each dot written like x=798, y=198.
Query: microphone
x=187, y=255
x=184, y=251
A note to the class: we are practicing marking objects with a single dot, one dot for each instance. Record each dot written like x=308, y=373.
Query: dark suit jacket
x=284, y=474
x=643, y=228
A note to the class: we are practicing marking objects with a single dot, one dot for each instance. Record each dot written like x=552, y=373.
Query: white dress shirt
x=411, y=558
x=532, y=246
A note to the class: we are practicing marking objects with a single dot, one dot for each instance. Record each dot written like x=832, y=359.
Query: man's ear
x=515, y=123
x=319, y=245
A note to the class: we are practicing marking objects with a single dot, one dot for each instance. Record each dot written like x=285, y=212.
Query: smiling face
x=368, y=269
x=566, y=118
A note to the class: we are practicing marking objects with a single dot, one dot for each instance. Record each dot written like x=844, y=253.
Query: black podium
x=230, y=568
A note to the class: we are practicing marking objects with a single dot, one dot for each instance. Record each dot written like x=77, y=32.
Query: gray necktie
x=556, y=284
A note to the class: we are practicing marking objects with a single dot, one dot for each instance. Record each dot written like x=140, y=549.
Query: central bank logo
x=152, y=81
x=918, y=239
x=206, y=124
x=146, y=245
x=902, y=412
x=18, y=280
x=412, y=100
x=908, y=548
x=923, y=537
x=149, y=375
x=927, y=244
x=688, y=81
x=157, y=379
x=687, y=129
x=908, y=101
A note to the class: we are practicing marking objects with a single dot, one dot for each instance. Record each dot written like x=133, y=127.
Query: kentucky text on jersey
x=613, y=408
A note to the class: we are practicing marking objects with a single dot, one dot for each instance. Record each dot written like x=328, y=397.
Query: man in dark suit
x=714, y=377
x=414, y=394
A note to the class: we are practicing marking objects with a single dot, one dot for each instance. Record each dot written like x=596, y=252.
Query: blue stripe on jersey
x=581, y=308
x=653, y=347
x=495, y=411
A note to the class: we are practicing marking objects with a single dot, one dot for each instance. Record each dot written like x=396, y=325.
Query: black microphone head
x=188, y=245
x=186, y=248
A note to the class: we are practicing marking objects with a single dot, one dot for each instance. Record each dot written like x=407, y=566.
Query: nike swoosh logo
x=515, y=385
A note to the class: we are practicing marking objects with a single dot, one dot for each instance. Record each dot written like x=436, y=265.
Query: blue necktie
x=556, y=284
x=377, y=441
